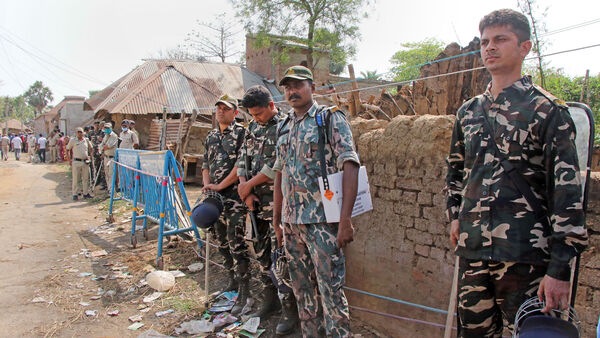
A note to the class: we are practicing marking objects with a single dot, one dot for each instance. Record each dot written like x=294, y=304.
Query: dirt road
x=39, y=226
x=51, y=276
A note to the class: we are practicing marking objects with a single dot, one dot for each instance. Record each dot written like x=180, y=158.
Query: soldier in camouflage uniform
x=96, y=138
x=219, y=173
x=508, y=249
x=317, y=263
x=255, y=172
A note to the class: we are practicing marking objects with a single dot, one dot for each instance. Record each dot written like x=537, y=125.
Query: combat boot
x=269, y=302
x=289, y=314
x=232, y=284
x=243, y=293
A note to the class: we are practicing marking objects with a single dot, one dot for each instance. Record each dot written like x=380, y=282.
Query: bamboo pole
x=179, y=131
x=355, y=96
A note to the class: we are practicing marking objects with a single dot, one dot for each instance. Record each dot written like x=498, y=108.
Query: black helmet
x=208, y=209
x=530, y=322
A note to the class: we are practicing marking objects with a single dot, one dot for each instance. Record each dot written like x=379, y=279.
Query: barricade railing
x=152, y=182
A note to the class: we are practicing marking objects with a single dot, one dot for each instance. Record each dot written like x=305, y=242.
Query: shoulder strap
x=514, y=174
x=322, y=117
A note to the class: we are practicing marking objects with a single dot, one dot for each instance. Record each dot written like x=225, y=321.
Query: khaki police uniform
x=80, y=166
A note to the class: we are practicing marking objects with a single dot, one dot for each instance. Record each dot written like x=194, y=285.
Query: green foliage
x=15, y=108
x=408, y=61
x=370, y=75
x=569, y=89
x=38, y=96
x=330, y=25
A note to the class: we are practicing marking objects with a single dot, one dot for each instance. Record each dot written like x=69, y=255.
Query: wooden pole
x=186, y=138
x=452, y=302
x=585, y=88
x=163, y=132
x=179, y=131
x=355, y=96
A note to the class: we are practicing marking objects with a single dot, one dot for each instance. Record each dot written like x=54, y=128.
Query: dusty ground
x=49, y=277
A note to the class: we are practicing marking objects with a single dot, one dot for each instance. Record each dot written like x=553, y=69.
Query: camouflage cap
x=228, y=100
x=296, y=72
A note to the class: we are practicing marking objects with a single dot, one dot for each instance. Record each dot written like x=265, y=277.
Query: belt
x=108, y=156
x=79, y=159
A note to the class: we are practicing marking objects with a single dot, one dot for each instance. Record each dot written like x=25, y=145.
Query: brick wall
x=401, y=248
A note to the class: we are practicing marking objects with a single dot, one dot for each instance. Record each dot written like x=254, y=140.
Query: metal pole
x=206, y=264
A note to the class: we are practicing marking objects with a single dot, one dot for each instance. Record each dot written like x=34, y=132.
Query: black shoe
x=75, y=197
x=87, y=196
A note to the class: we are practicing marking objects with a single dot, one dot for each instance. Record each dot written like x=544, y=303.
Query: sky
x=74, y=46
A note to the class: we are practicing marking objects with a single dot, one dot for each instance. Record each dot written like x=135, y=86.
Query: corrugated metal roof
x=176, y=85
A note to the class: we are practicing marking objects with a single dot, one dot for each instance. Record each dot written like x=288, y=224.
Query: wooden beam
x=355, y=95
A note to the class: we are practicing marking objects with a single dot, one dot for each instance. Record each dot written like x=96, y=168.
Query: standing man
x=17, y=143
x=5, y=143
x=129, y=139
x=31, y=142
x=52, y=144
x=314, y=247
x=41, y=148
x=513, y=239
x=108, y=147
x=80, y=167
x=220, y=174
x=96, y=140
x=256, y=175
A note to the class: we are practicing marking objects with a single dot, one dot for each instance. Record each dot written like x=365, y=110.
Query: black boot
x=269, y=303
x=232, y=284
x=289, y=314
x=243, y=294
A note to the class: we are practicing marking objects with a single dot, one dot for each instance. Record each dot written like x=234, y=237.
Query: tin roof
x=174, y=85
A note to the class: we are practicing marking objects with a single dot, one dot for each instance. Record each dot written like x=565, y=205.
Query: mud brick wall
x=401, y=248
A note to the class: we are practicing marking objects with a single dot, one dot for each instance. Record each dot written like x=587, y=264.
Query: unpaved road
x=46, y=243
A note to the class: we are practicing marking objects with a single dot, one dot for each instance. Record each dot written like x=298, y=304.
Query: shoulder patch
x=556, y=101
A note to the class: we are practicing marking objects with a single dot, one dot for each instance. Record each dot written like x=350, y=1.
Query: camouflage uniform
x=220, y=157
x=317, y=265
x=96, y=139
x=499, y=232
x=259, y=150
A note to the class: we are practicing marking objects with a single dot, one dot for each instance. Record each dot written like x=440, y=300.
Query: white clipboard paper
x=333, y=206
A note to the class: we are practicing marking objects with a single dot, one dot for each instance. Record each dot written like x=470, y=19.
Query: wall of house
x=75, y=116
x=401, y=248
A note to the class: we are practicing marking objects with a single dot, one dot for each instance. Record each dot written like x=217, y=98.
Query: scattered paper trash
x=177, y=273
x=162, y=313
x=96, y=297
x=152, y=297
x=160, y=280
x=135, y=318
x=84, y=303
x=91, y=313
x=195, y=327
x=231, y=327
x=244, y=333
x=251, y=325
x=40, y=300
x=99, y=253
x=196, y=267
x=85, y=274
x=223, y=318
x=135, y=326
x=248, y=306
x=113, y=313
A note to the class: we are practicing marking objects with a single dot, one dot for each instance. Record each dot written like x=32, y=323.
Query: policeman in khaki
x=80, y=167
x=129, y=139
x=511, y=246
x=108, y=148
x=314, y=246
x=219, y=174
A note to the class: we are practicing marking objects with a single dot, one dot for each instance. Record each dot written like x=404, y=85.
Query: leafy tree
x=569, y=89
x=370, y=75
x=220, y=43
x=15, y=108
x=327, y=24
x=38, y=96
x=408, y=61
x=538, y=28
